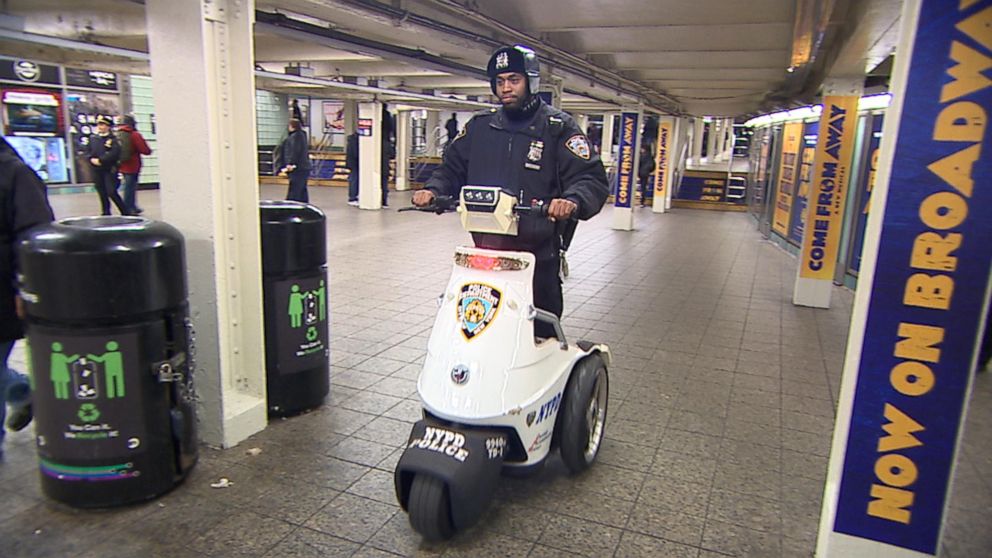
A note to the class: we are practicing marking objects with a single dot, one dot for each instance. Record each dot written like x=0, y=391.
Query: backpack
x=127, y=145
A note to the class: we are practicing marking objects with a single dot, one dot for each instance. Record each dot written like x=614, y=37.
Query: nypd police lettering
x=442, y=441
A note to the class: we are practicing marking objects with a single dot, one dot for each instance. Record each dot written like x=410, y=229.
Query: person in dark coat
x=23, y=204
x=530, y=146
x=645, y=168
x=452, y=128
x=294, y=161
x=351, y=162
x=388, y=151
x=104, y=153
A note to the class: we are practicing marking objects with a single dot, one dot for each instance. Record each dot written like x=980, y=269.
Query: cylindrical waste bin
x=295, y=287
x=109, y=342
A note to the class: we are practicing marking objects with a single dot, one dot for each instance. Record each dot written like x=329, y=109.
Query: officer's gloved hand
x=423, y=198
x=561, y=209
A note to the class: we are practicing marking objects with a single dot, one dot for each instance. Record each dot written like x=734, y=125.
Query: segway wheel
x=583, y=416
x=429, y=509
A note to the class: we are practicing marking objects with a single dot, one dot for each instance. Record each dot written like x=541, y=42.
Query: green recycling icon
x=88, y=412
x=311, y=333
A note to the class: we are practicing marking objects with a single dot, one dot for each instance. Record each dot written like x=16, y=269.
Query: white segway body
x=492, y=393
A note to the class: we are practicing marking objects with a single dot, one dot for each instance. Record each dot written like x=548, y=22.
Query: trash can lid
x=285, y=211
x=294, y=237
x=100, y=267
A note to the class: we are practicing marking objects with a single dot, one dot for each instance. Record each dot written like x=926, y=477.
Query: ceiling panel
x=549, y=15
x=769, y=36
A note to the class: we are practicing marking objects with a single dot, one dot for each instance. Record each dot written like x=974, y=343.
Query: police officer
x=104, y=152
x=530, y=146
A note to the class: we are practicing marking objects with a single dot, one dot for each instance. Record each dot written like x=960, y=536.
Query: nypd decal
x=579, y=145
x=443, y=441
x=477, y=308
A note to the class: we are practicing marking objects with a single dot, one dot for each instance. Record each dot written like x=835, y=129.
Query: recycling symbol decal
x=311, y=333
x=88, y=412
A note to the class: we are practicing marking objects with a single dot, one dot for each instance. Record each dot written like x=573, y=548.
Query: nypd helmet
x=516, y=58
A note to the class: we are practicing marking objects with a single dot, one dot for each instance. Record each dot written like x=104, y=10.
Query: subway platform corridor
x=722, y=398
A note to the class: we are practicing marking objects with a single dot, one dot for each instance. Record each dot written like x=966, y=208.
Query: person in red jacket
x=133, y=146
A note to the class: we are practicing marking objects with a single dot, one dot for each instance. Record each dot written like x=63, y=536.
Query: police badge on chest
x=534, y=155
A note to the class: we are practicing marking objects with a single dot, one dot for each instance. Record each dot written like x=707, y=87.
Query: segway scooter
x=493, y=395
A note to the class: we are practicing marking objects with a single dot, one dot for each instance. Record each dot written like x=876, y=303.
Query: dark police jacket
x=548, y=158
x=107, y=149
x=23, y=204
x=295, y=151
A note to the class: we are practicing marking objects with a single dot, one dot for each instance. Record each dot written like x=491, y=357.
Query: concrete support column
x=370, y=155
x=202, y=72
x=666, y=150
x=711, y=141
x=606, y=149
x=350, y=117
x=831, y=170
x=628, y=156
x=697, y=141
x=583, y=121
x=434, y=146
x=728, y=140
x=404, y=133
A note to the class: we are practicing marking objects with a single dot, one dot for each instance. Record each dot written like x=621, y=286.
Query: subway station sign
x=929, y=285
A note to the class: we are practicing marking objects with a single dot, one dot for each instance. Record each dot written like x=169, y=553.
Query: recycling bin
x=295, y=289
x=110, y=353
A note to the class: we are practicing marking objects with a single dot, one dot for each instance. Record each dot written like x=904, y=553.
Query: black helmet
x=516, y=58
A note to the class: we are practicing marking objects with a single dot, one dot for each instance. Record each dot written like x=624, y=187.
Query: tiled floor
x=721, y=408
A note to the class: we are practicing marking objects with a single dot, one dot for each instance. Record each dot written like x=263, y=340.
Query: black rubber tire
x=429, y=508
x=573, y=428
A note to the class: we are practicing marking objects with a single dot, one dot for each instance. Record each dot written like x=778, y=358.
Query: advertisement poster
x=865, y=183
x=625, y=174
x=45, y=155
x=788, y=172
x=333, y=117
x=32, y=112
x=84, y=109
x=828, y=190
x=798, y=218
x=916, y=331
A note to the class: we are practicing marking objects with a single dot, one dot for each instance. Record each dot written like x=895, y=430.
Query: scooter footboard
x=467, y=460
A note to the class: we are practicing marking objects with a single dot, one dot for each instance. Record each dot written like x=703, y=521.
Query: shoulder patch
x=579, y=145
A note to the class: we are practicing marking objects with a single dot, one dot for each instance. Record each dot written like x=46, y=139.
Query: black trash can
x=295, y=286
x=109, y=341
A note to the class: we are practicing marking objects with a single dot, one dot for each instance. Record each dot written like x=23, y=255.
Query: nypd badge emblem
x=579, y=145
x=536, y=150
x=502, y=61
x=477, y=307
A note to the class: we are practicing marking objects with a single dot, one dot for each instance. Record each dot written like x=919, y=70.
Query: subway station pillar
x=628, y=155
x=828, y=192
x=606, y=149
x=404, y=133
x=370, y=155
x=697, y=141
x=922, y=297
x=204, y=86
x=711, y=141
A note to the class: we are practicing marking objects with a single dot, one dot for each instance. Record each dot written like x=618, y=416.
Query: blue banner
x=625, y=160
x=866, y=182
x=928, y=288
x=807, y=148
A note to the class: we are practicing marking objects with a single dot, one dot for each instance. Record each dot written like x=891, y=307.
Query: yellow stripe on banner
x=788, y=170
x=661, y=159
x=828, y=189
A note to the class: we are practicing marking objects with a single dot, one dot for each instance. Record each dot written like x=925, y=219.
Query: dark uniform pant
x=547, y=293
x=105, y=183
x=298, y=186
